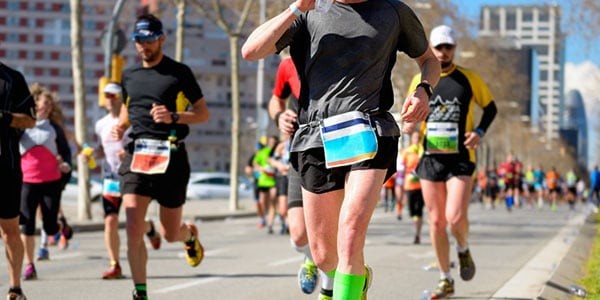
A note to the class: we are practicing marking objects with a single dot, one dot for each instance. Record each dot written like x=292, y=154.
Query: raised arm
x=261, y=41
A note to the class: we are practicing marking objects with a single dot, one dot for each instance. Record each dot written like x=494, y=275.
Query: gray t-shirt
x=345, y=58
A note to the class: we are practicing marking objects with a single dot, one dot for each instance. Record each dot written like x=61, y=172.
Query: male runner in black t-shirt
x=17, y=112
x=156, y=164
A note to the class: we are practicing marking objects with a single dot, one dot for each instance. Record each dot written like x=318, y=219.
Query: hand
x=160, y=114
x=416, y=107
x=305, y=5
x=64, y=167
x=117, y=132
x=287, y=121
x=472, y=140
x=121, y=154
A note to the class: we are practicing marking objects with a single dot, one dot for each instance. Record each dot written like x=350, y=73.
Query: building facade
x=536, y=27
x=35, y=39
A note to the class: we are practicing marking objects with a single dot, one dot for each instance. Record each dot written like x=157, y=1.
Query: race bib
x=110, y=187
x=347, y=139
x=150, y=156
x=442, y=138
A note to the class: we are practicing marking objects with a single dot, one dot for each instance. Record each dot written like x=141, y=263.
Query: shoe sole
x=368, y=281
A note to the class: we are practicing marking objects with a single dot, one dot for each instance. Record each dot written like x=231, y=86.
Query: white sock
x=44, y=239
x=462, y=249
x=326, y=281
x=446, y=275
x=305, y=249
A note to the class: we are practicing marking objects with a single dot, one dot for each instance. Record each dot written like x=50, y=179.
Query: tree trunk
x=235, y=121
x=181, y=6
x=83, y=211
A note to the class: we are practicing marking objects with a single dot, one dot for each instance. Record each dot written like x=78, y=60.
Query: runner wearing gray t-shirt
x=347, y=141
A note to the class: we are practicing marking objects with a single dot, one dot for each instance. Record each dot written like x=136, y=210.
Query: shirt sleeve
x=190, y=87
x=413, y=40
x=281, y=89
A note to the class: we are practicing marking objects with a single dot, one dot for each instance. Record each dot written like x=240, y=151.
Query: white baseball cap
x=112, y=88
x=442, y=35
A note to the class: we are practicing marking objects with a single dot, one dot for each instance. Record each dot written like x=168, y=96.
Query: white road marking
x=286, y=261
x=189, y=284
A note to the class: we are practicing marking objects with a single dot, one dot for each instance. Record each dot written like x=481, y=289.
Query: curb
x=570, y=269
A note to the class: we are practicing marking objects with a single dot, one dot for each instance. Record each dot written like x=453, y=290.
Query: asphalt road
x=243, y=262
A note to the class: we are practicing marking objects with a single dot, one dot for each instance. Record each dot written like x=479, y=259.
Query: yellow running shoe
x=368, y=280
x=193, y=249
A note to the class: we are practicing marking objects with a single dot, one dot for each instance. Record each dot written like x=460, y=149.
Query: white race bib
x=347, y=139
x=442, y=138
x=150, y=156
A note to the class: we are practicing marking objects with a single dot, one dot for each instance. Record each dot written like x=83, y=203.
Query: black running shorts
x=294, y=189
x=415, y=202
x=169, y=189
x=12, y=182
x=443, y=167
x=316, y=178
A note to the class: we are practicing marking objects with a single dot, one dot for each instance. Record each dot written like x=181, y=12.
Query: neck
x=447, y=67
x=150, y=64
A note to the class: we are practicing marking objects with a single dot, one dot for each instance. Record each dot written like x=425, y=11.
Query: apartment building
x=536, y=27
x=35, y=39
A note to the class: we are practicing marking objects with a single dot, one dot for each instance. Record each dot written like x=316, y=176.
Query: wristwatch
x=174, y=117
x=427, y=87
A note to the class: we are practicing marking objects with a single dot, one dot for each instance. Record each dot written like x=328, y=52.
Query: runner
x=540, y=179
x=446, y=169
x=113, y=151
x=553, y=184
x=412, y=185
x=267, y=193
x=344, y=58
x=284, y=114
x=17, y=112
x=156, y=164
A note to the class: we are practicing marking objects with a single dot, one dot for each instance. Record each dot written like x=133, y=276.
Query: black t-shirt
x=14, y=97
x=160, y=84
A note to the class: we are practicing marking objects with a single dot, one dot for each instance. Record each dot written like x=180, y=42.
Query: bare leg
x=14, y=249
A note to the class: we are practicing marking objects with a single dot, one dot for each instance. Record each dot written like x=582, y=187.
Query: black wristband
x=6, y=118
x=276, y=118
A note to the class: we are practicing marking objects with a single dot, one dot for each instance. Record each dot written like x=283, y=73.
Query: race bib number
x=347, y=139
x=442, y=138
x=150, y=156
x=110, y=187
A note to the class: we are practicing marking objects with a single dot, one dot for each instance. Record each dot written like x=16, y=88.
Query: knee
x=323, y=259
x=171, y=236
x=111, y=221
x=298, y=235
x=455, y=219
x=437, y=224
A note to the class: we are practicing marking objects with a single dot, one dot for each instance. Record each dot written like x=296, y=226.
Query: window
x=494, y=21
x=544, y=16
x=528, y=16
x=511, y=20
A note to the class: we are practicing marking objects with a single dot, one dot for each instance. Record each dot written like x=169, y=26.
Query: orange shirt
x=552, y=180
x=411, y=156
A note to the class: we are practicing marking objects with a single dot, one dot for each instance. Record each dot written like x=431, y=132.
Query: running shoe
x=444, y=289
x=30, y=272
x=43, y=254
x=193, y=248
x=15, y=296
x=53, y=239
x=308, y=275
x=467, y=266
x=154, y=237
x=417, y=240
x=325, y=295
x=63, y=242
x=67, y=230
x=113, y=273
x=137, y=296
x=368, y=281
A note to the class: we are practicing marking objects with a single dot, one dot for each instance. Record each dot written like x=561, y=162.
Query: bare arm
x=416, y=106
x=261, y=41
x=286, y=118
x=198, y=114
x=119, y=129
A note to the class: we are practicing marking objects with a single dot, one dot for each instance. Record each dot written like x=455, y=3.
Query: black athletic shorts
x=281, y=184
x=316, y=178
x=294, y=189
x=443, y=167
x=415, y=202
x=169, y=189
x=12, y=182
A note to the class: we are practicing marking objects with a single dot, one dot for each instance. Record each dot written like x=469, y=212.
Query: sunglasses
x=146, y=39
x=444, y=47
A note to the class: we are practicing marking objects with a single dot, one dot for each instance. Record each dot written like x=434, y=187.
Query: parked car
x=215, y=185
x=72, y=189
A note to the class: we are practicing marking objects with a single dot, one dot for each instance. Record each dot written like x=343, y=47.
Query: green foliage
x=591, y=280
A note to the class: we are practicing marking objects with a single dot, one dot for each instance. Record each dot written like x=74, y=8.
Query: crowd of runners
x=338, y=148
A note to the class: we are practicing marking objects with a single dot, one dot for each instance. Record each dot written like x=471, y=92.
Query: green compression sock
x=140, y=290
x=348, y=286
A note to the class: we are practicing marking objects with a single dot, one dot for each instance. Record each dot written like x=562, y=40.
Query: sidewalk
x=196, y=210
